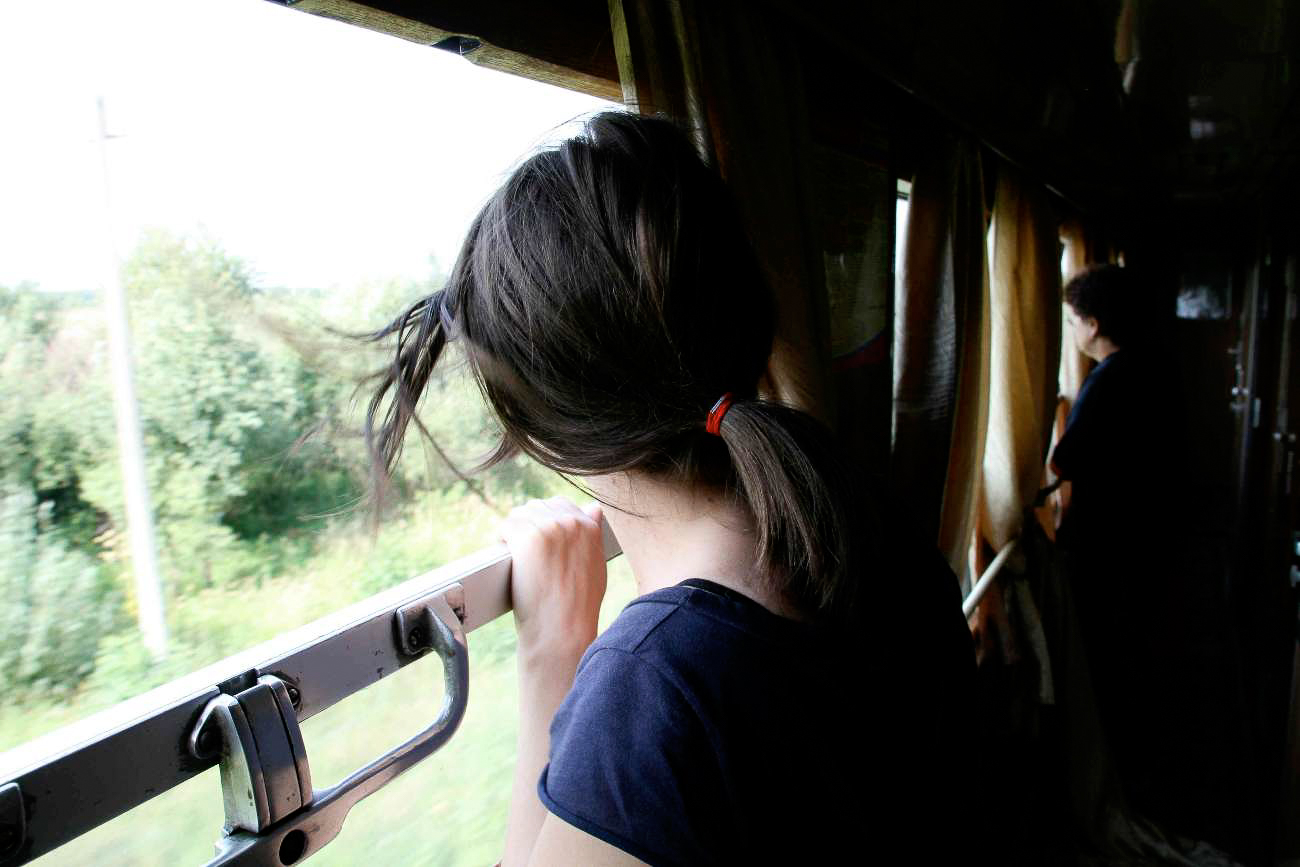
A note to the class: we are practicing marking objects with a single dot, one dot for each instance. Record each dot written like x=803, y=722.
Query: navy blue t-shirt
x=1124, y=453
x=704, y=729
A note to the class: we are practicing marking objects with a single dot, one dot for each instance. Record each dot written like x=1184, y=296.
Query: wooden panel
x=566, y=43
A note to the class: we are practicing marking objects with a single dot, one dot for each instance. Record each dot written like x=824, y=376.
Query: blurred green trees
x=230, y=379
x=54, y=603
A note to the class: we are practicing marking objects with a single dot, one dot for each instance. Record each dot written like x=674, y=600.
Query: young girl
x=746, y=707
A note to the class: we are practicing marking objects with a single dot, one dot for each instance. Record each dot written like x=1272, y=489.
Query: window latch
x=264, y=772
x=273, y=817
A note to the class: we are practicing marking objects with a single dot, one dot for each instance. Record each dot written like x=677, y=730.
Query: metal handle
x=972, y=601
x=430, y=623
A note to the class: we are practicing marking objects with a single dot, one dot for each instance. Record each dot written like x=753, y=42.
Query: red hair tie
x=714, y=422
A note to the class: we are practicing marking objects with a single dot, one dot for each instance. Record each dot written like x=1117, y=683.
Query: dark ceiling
x=1210, y=88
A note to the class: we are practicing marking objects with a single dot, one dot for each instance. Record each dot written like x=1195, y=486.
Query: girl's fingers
x=554, y=521
x=563, y=506
x=588, y=514
x=554, y=507
x=541, y=512
x=558, y=514
x=517, y=526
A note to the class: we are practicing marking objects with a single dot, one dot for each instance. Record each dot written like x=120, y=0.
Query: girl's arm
x=561, y=843
x=543, y=683
x=557, y=583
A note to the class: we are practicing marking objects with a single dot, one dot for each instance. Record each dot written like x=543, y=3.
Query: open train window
x=325, y=178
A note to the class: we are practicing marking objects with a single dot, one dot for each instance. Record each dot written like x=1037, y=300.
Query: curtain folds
x=941, y=333
x=709, y=64
x=1080, y=252
x=1024, y=349
x=748, y=99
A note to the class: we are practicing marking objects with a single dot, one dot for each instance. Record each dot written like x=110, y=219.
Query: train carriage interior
x=921, y=180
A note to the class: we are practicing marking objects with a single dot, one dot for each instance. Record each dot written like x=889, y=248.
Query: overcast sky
x=321, y=153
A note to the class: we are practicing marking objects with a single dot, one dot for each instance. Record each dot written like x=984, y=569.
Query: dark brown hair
x=606, y=297
x=1107, y=294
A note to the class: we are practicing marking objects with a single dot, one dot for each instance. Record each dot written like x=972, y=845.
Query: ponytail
x=788, y=471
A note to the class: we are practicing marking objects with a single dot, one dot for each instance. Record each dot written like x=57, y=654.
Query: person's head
x=606, y=297
x=1102, y=309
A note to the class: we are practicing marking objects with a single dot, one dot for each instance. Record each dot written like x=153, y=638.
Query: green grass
x=450, y=810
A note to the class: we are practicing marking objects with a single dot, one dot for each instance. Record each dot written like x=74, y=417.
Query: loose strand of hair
x=420, y=340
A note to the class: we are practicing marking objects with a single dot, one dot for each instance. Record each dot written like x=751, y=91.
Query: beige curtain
x=941, y=332
x=1024, y=349
x=1079, y=254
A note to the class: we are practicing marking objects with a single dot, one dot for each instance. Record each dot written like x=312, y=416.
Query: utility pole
x=130, y=443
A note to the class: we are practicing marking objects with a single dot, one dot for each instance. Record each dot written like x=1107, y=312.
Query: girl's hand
x=557, y=577
x=556, y=583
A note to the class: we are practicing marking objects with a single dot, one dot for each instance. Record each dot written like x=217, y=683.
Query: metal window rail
x=972, y=601
x=243, y=714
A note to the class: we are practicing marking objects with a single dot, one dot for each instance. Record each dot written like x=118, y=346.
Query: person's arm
x=559, y=843
x=543, y=683
x=1064, y=460
x=1097, y=425
x=557, y=583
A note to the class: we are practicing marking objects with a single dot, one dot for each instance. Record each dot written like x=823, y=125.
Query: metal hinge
x=417, y=631
x=265, y=776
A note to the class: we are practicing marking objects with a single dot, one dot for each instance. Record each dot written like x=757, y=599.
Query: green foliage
x=223, y=404
x=39, y=446
x=221, y=410
x=253, y=460
x=54, y=608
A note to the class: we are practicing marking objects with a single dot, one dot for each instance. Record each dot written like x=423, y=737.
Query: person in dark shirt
x=1121, y=433
x=1124, y=542
x=791, y=683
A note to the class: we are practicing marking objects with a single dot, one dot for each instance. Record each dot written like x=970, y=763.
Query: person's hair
x=606, y=297
x=1106, y=293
